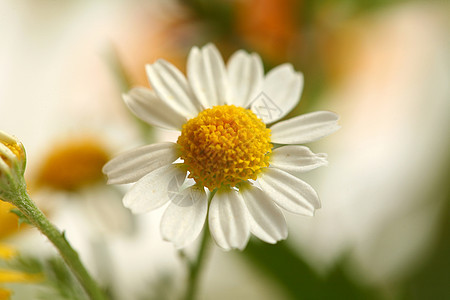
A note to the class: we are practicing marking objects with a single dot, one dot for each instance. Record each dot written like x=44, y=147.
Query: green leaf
x=24, y=264
x=283, y=265
x=60, y=283
x=22, y=218
x=431, y=281
x=218, y=15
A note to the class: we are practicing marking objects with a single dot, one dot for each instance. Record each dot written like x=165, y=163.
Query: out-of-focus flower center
x=5, y=294
x=7, y=252
x=224, y=146
x=8, y=221
x=72, y=165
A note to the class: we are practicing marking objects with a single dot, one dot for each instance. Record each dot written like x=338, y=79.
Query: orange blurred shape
x=340, y=48
x=73, y=164
x=268, y=26
x=145, y=36
x=5, y=294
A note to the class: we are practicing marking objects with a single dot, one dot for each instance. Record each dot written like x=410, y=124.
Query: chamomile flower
x=224, y=165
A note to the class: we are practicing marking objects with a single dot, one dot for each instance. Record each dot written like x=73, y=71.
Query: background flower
x=387, y=187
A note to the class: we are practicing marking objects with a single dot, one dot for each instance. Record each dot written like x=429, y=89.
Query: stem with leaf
x=35, y=217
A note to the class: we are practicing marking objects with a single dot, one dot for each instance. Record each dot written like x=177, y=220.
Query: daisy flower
x=228, y=165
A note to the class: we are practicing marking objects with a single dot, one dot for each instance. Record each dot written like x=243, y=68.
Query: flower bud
x=12, y=166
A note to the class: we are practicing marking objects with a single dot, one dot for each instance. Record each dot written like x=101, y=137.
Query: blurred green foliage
x=58, y=282
x=284, y=265
x=432, y=280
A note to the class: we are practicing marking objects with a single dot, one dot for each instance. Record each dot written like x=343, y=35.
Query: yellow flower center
x=224, y=146
x=73, y=164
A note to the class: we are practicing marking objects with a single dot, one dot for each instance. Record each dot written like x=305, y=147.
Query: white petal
x=148, y=107
x=7, y=153
x=183, y=220
x=172, y=87
x=281, y=91
x=245, y=74
x=289, y=192
x=151, y=191
x=296, y=159
x=228, y=220
x=134, y=164
x=305, y=128
x=267, y=221
x=8, y=138
x=3, y=166
x=106, y=214
x=207, y=76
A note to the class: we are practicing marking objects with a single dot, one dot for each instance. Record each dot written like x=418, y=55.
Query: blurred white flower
x=55, y=83
x=381, y=192
x=224, y=148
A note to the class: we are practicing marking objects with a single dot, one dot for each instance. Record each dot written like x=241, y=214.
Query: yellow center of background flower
x=73, y=164
x=224, y=145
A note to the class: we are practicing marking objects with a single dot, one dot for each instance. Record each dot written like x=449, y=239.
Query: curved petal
x=7, y=153
x=296, y=159
x=172, y=87
x=245, y=75
x=228, y=221
x=289, y=192
x=280, y=93
x=267, y=221
x=149, y=108
x=183, y=219
x=305, y=128
x=133, y=165
x=151, y=191
x=207, y=76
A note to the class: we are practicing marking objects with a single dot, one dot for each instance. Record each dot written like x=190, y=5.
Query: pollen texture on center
x=225, y=145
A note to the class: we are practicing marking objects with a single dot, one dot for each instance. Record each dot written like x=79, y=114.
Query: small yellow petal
x=6, y=252
x=11, y=150
x=10, y=276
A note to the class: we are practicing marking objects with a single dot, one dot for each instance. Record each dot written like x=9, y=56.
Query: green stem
x=195, y=267
x=70, y=256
